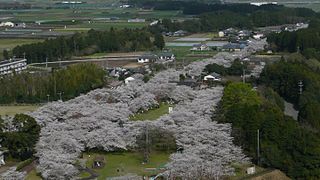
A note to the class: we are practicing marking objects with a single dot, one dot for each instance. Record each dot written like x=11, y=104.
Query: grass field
x=32, y=175
x=185, y=53
x=12, y=110
x=152, y=114
x=108, y=25
x=8, y=44
x=128, y=162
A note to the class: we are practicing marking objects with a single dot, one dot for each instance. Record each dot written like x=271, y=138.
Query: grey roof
x=233, y=46
x=215, y=74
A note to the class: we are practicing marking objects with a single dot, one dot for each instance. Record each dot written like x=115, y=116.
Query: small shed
x=251, y=170
x=98, y=162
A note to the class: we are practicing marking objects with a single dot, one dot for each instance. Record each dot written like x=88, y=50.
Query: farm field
x=123, y=163
x=12, y=110
x=8, y=44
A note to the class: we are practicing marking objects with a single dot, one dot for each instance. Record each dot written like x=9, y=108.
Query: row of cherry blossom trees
x=100, y=119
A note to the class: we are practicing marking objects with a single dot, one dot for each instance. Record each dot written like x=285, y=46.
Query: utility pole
x=60, y=96
x=258, y=147
x=146, y=151
x=300, y=84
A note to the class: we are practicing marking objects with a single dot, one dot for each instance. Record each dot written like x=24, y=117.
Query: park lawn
x=184, y=53
x=128, y=163
x=32, y=175
x=12, y=110
x=84, y=175
x=152, y=114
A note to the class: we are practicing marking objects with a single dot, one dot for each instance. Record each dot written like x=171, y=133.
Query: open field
x=12, y=110
x=32, y=175
x=118, y=164
x=9, y=44
x=152, y=114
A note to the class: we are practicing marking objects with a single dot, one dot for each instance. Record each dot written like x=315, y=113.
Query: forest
x=85, y=44
x=284, y=77
x=214, y=17
x=306, y=41
x=285, y=145
x=35, y=88
x=19, y=136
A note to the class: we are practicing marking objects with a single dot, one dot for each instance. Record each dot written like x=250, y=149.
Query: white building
x=6, y=24
x=212, y=77
x=11, y=66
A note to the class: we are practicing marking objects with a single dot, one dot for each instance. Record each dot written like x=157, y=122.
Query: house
x=180, y=33
x=136, y=20
x=147, y=58
x=258, y=36
x=200, y=47
x=11, y=66
x=166, y=56
x=128, y=80
x=212, y=77
x=233, y=47
x=117, y=72
x=244, y=33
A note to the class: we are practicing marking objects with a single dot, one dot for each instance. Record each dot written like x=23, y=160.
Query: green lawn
x=152, y=114
x=12, y=110
x=32, y=175
x=184, y=53
x=128, y=163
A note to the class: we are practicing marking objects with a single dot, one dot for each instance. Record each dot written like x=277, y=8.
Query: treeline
x=19, y=136
x=284, y=77
x=284, y=144
x=35, y=88
x=238, y=16
x=86, y=43
x=307, y=41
